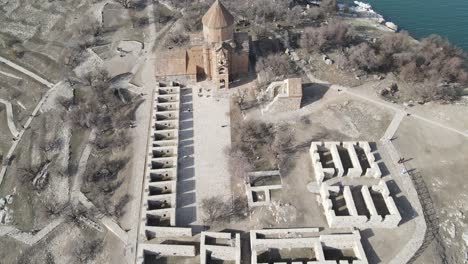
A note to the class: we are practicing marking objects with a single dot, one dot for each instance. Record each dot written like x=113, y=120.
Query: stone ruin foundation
x=260, y=185
x=306, y=245
x=217, y=247
x=359, y=206
x=282, y=96
x=348, y=183
x=350, y=188
x=343, y=159
x=158, y=214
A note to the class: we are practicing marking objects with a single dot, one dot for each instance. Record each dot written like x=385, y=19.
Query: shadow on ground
x=312, y=92
x=186, y=195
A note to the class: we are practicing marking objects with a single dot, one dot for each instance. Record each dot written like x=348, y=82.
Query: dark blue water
x=448, y=18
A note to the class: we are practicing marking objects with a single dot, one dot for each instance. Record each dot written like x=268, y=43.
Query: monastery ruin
x=220, y=55
x=306, y=245
x=282, y=96
x=350, y=193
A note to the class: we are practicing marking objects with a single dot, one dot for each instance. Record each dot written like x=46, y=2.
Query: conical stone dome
x=217, y=17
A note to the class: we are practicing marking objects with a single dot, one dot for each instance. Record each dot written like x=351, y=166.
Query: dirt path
x=11, y=75
x=141, y=132
x=78, y=178
x=10, y=120
x=394, y=107
x=295, y=57
x=25, y=71
x=27, y=237
x=26, y=126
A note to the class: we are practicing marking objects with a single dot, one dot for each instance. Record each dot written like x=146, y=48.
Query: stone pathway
x=112, y=226
x=27, y=237
x=21, y=133
x=10, y=120
x=393, y=127
x=30, y=239
x=11, y=75
x=76, y=196
x=25, y=71
x=212, y=136
x=78, y=178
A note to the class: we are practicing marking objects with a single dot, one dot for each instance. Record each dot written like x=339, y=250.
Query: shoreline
x=364, y=10
x=412, y=26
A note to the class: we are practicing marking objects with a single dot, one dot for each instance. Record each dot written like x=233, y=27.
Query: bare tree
x=364, y=57
x=273, y=67
x=238, y=164
x=125, y=3
x=294, y=16
x=315, y=13
x=53, y=207
x=119, y=208
x=88, y=251
x=334, y=35
x=216, y=210
x=192, y=16
x=177, y=38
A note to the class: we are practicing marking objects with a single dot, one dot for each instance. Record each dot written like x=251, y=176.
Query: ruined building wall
x=196, y=62
x=354, y=170
x=158, y=212
x=269, y=240
x=239, y=63
x=390, y=219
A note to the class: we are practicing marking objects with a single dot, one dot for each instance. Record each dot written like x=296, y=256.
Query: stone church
x=220, y=55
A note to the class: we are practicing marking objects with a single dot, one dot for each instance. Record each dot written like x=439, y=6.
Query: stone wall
x=264, y=190
x=158, y=213
x=281, y=97
x=340, y=217
x=227, y=250
x=264, y=241
x=342, y=168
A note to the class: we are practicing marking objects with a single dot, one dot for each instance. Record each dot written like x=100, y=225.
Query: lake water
x=448, y=18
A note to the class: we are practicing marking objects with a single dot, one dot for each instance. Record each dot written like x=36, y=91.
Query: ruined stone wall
x=353, y=218
x=263, y=241
x=239, y=63
x=352, y=170
x=229, y=252
x=264, y=190
x=319, y=171
x=158, y=212
x=195, y=61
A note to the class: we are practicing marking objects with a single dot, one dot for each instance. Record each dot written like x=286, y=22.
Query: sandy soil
x=440, y=156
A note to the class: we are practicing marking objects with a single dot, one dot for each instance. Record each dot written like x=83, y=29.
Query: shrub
x=177, y=38
x=364, y=57
x=217, y=210
x=274, y=67
x=324, y=38
x=192, y=16
x=88, y=251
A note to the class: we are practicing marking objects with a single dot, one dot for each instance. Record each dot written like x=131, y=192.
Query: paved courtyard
x=212, y=137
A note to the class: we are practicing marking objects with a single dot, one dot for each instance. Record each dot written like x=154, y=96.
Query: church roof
x=217, y=16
